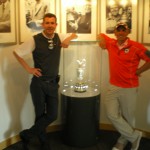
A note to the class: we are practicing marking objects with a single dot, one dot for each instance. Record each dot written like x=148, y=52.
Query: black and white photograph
x=35, y=10
x=149, y=20
x=118, y=11
x=7, y=21
x=146, y=22
x=31, y=16
x=5, y=25
x=113, y=12
x=79, y=17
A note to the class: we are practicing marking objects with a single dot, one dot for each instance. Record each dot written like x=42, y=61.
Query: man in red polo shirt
x=124, y=58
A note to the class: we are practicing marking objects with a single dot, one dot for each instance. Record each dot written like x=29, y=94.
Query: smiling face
x=49, y=24
x=114, y=9
x=88, y=7
x=121, y=34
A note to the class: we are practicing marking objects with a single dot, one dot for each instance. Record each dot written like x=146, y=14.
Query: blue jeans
x=45, y=99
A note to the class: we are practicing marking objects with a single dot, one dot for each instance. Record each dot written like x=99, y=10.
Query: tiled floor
x=105, y=142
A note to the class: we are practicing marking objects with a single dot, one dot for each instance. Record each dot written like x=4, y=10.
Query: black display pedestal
x=80, y=117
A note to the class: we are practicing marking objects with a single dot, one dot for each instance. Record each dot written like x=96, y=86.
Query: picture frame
x=146, y=22
x=8, y=27
x=82, y=11
x=127, y=13
x=27, y=30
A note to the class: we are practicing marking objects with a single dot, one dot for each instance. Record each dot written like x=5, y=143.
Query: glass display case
x=81, y=69
x=80, y=93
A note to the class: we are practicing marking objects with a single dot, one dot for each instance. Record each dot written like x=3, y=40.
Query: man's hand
x=143, y=68
x=138, y=73
x=35, y=71
x=101, y=41
x=66, y=42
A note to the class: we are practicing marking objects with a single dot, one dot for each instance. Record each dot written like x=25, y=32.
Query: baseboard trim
x=54, y=128
x=15, y=139
x=9, y=141
x=109, y=127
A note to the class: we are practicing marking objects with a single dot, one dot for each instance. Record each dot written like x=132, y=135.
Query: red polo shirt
x=124, y=62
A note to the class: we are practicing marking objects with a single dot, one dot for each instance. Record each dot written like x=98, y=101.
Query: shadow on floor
x=105, y=141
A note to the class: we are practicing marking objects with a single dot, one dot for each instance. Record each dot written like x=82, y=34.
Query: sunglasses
x=51, y=44
x=121, y=28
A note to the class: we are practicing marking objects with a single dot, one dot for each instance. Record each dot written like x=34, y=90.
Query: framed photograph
x=31, y=16
x=146, y=22
x=8, y=22
x=79, y=16
x=113, y=12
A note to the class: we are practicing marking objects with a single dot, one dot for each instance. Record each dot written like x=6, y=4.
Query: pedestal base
x=81, y=120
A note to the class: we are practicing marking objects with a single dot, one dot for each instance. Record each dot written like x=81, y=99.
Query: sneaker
x=114, y=148
x=136, y=143
x=118, y=146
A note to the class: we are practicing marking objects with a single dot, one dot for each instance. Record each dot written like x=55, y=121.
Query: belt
x=50, y=79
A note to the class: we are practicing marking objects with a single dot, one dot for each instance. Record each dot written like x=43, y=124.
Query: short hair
x=50, y=15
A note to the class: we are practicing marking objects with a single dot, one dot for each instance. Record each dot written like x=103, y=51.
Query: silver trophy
x=80, y=85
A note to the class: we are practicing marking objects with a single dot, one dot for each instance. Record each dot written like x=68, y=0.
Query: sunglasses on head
x=121, y=28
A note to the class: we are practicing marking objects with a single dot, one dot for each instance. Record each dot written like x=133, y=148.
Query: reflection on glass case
x=81, y=69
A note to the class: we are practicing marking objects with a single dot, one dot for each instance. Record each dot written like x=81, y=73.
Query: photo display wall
x=86, y=18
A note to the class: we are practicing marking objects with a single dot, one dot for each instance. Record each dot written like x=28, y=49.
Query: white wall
x=16, y=109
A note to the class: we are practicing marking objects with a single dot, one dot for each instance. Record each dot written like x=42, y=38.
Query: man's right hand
x=101, y=41
x=35, y=71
